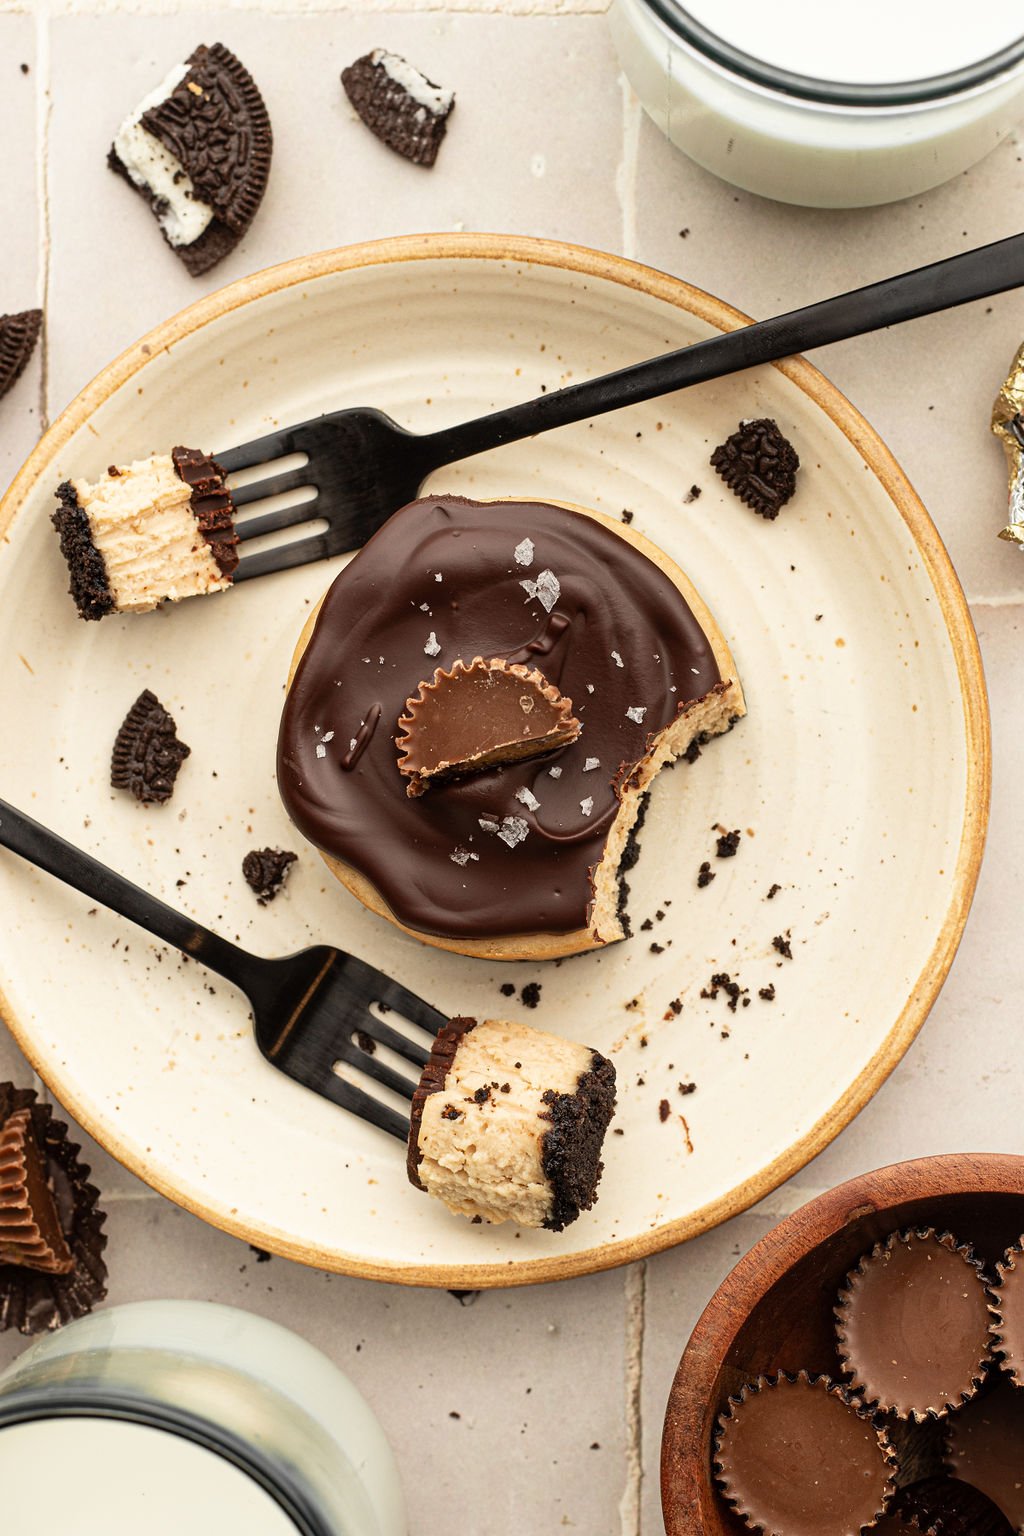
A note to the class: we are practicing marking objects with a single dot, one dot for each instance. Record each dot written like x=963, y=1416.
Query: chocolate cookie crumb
x=627, y=516
x=365, y=1042
x=687, y=1088
x=727, y=844
x=664, y=1111
x=773, y=891
x=262, y=1256
x=147, y=753
x=646, y=925
x=759, y=466
x=265, y=871
x=783, y=945
x=705, y=875
x=693, y=494
x=399, y=105
x=18, y=336
x=768, y=992
x=657, y=949
x=531, y=994
x=507, y=989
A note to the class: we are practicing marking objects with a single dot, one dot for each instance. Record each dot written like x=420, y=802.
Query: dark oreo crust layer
x=571, y=1155
x=759, y=466
x=212, y=507
x=222, y=136
x=147, y=753
x=18, y=336
x=89, y=586
x=31, y=1301
x=432, y=1080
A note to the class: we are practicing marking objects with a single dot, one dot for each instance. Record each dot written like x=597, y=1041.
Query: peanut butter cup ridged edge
x=840, y=1312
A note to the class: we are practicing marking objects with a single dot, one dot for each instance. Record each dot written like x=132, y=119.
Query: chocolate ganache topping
x=509, y=850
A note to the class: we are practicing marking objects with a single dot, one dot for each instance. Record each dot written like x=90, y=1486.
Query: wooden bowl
x=773, y=1311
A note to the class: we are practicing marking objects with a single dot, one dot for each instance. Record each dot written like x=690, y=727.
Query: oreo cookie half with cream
x=18, y=337
x=157, y=530
x=198, y=149
x=405, y=110
x=507, y=1124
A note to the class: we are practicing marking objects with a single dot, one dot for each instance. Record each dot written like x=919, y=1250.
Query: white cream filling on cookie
x=182, y=215
x=435, y=98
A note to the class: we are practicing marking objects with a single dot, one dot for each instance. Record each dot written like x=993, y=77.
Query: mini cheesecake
x=505, y=854
x=507, y=1124
x=158, y=530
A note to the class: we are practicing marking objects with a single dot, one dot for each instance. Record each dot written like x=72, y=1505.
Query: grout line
x=149, y=8
x=625, y=176
x=44, y=107
x=1005, y=600
x=635, y=1297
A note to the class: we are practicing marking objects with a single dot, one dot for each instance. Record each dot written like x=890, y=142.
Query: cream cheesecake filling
x=481, y=1136
x=142, y=524
x=180, y=212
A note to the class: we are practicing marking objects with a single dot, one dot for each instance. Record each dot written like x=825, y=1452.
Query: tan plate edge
x=659, y=285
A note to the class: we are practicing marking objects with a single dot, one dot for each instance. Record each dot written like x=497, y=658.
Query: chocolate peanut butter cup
x=480, y=714
x=18, y=337
x=51, y=1228
x=912, y=1325
x=1006, y=1306
x=985, y=1446
x=798, y=1456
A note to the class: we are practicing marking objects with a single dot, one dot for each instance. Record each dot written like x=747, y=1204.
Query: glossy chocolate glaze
x=446, y=567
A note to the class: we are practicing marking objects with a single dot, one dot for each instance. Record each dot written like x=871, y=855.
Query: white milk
x=871, y=113
x=103, y=1478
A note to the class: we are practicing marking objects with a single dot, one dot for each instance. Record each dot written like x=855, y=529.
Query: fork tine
x=286, y=556
x=409, y=1006
x=383, y=1034
x=363, y=1104
x=261, y=450
x=273, y=522
x=273, y=485
x=362, y=1061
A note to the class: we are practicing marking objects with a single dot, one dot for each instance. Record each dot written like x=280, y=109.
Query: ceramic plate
x=859, y=779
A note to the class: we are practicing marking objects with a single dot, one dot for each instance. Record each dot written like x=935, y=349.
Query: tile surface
x=559, y=1391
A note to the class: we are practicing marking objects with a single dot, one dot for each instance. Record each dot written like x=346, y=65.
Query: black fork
x=360, y=466
x=312, y=1011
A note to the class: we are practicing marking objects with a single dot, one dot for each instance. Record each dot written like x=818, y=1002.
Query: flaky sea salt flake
x=460, y=856
x=321, y=750
x=555, y=773
x=617, y=659
x=431, y=648
x=636, y=713
x=513, y=830
x=546, y=589
x=527, y=798
x=524, y=552
x=591, y=763
x=587, y=805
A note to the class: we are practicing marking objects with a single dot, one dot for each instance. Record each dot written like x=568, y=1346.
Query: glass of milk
x=832, y=106
x=181, y=1418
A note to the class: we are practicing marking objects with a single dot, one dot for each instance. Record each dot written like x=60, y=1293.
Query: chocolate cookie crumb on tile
x=399, y=105
x=147, y=753
x=198, y=149
x=18, y=337
x=759, y=466
x=727, y=844
x=265, y=871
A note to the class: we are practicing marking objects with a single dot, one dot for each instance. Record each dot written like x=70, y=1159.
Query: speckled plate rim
x=586, y=263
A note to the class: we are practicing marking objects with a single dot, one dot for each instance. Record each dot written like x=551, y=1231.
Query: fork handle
x=49, y=852
x=975, y=274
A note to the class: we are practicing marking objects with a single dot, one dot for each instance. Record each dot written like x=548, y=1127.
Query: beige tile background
x=546, y=140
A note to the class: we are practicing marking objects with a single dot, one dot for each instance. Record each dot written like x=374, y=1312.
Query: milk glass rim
x=810, y=91
x=31, y=1405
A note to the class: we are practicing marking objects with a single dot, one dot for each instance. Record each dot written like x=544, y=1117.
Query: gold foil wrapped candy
x=1008, y=426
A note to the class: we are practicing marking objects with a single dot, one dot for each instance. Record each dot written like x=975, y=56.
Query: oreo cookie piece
x=759, y=466
x=406, y=111
x=266, y=870
x=198, y=149
x=147, y=753
x=18, y=337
